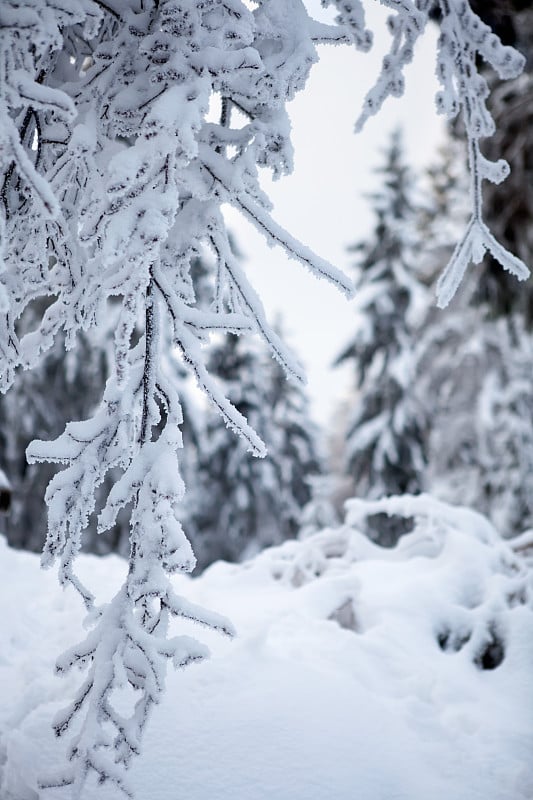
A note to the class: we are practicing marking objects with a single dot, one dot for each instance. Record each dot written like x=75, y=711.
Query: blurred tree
x=65, y=385
x=508, y=207
x=385, y=437
x=241, y=504
x=474, y=375
x=480, y=438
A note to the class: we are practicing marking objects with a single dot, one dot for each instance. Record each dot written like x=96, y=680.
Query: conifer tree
x=241, y=504
x=293, y=444
x=480, y=438
x=65, y=385
x=385, y=438
x=474, y=378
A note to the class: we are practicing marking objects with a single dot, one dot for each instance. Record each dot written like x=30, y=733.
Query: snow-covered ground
x=357, y=672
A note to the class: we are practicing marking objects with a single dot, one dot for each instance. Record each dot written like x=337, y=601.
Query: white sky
x=322, y=203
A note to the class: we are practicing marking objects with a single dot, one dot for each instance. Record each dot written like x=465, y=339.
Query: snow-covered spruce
x=240, y=504
x=385, y=435
x=61, y=387
x=479, y=438
x=112, y=183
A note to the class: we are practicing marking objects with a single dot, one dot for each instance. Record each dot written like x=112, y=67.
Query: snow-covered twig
x=463, y=38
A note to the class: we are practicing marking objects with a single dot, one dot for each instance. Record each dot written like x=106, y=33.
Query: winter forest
x=208, y=590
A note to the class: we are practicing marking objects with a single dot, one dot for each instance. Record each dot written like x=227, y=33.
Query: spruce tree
x=242, y=504
x=64, y=386
x=385, y=437
x=508, y=207
x=474, y=378
x=293, y=446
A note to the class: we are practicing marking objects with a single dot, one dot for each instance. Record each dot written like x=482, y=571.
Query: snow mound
x=357, y=671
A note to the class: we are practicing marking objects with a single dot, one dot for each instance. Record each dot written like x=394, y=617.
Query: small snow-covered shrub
x=469, y=587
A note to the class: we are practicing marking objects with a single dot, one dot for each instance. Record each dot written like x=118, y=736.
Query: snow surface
x=335, y=686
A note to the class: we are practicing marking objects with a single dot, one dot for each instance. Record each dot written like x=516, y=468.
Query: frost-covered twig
x=463, y=38
x=405, y=26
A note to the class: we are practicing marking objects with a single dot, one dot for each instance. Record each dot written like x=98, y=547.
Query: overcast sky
x=323, y=204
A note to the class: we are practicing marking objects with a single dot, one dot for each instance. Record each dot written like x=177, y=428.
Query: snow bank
x=357, y=672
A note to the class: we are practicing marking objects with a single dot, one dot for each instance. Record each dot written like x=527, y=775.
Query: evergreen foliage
x=473, y=378
x=64, y=386
x=293, y=443
x=466, y=370
x=241, y=504
x=385, y=436
x=480, y=440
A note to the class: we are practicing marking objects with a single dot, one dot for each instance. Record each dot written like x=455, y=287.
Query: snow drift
x=357, y=671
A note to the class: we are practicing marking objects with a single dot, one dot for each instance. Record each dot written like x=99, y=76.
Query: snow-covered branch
x=463, y=39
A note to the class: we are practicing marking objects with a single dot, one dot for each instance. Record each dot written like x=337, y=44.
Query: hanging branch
x=463, y=38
